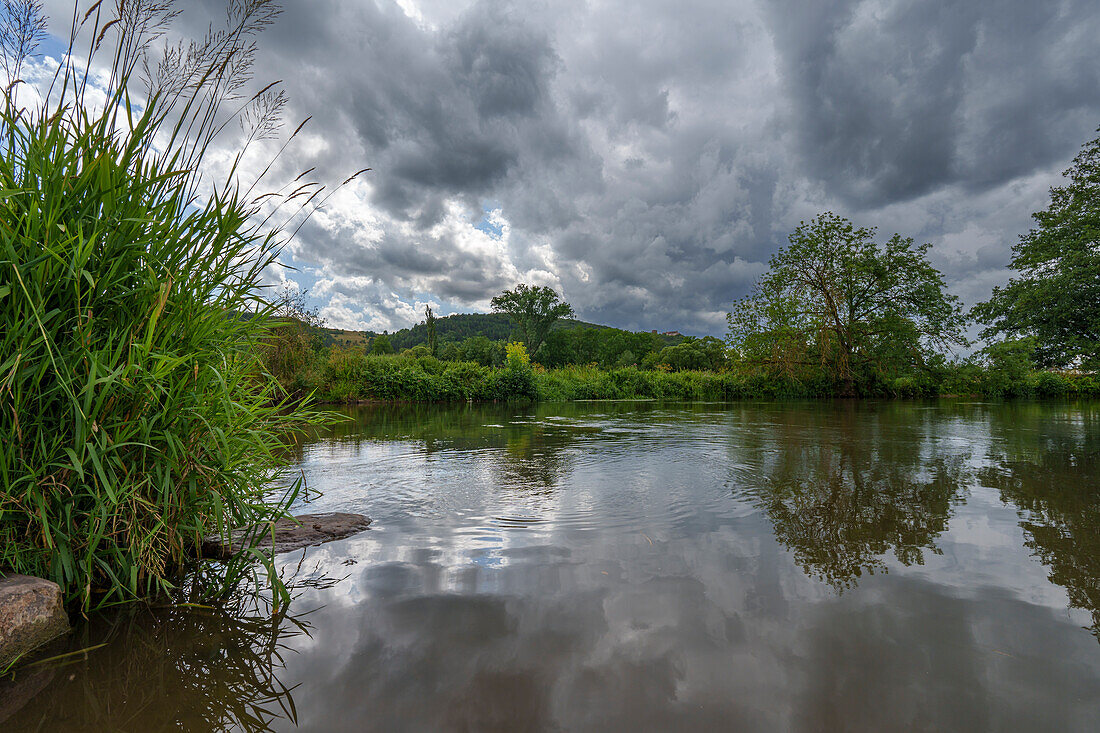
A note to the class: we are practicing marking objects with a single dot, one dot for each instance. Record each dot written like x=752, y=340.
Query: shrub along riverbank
x=349, y=375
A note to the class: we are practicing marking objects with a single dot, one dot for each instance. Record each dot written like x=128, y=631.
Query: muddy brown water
x=863, y=566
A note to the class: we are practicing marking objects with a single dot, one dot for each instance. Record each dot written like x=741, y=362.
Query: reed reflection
x=180, y=667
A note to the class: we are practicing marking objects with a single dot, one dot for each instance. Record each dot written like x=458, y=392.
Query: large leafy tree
x=835, y=298
x=1056, y=297
x=534, y=309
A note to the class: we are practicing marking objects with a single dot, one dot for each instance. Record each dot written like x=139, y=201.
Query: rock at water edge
x=293, y=533
x=31, y=614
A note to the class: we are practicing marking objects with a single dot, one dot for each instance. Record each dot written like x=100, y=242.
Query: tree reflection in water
x=1046, y=461
x=181, y=667
x=842, y=489
x=695, y=629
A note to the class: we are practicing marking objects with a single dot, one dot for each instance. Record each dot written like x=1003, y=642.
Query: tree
x=707, y=353
x=837, y=299
x=1056, y=298
x=289, y=304
x=534, y=309
x=429, y=322
x=482, y=350
x=381, y=344
x=1007, y=365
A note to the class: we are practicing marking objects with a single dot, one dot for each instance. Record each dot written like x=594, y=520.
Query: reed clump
x=136, y=413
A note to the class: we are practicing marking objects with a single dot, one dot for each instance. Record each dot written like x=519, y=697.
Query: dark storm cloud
x=895, y=99
x=648, y=157
x=441, y=113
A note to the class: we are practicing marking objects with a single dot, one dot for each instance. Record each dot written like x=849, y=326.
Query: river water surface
x=650, y=566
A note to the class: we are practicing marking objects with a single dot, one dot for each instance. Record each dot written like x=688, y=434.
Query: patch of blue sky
x=53, y=47
x=439, y=308
x=487, y=224
x=56, y=48
x=299, y=271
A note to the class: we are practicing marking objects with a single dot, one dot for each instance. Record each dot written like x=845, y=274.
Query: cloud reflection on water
x=702, y=567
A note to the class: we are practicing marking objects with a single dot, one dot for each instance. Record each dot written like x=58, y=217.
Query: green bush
x=469, y=380
x=913, y=386
x=345, y=374
x=1048, y=384
x=905, y=387
x=1085, y=385
x=1008, y=364
x=961, y=379
x=517, y=379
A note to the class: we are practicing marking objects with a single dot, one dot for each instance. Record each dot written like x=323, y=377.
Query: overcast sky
x=645, y=158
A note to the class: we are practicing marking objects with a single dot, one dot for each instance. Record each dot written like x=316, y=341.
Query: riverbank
x=348, y=377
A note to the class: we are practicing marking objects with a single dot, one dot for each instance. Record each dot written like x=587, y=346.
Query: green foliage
x=461, y=327
x=516, y=380
x=476, y=348
x=1008, y=365
x=835, y=304
x=294, y=340
x=607, y=347
x=534, y=309
x=138, y=415
x=457, y=328
x=961, y=378
x=626, y=359
x=418, y=352
x=515, y=357
x=707, y=353
x=907, y=387
x=1056, y=297
x=381, y=345
x=1049, y=384
x=429, y=325
x=348, y=375
x=481, y=337
x=591, y=383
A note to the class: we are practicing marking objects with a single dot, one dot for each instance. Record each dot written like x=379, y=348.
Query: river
x=613, y=566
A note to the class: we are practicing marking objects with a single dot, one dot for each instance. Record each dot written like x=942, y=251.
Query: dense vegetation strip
x=343, y=375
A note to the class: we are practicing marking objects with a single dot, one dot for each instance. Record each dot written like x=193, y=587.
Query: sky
x=645, y=159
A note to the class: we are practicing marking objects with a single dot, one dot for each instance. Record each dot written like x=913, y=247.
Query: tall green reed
x=137, y=416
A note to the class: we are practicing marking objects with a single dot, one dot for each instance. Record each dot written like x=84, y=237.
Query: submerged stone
x=292, y=533
x=15, y=693
x=31, y=614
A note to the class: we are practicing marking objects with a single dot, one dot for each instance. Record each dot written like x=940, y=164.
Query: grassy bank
x=348, y=375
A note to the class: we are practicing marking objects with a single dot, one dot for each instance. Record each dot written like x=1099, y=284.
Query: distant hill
x=461, y=326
